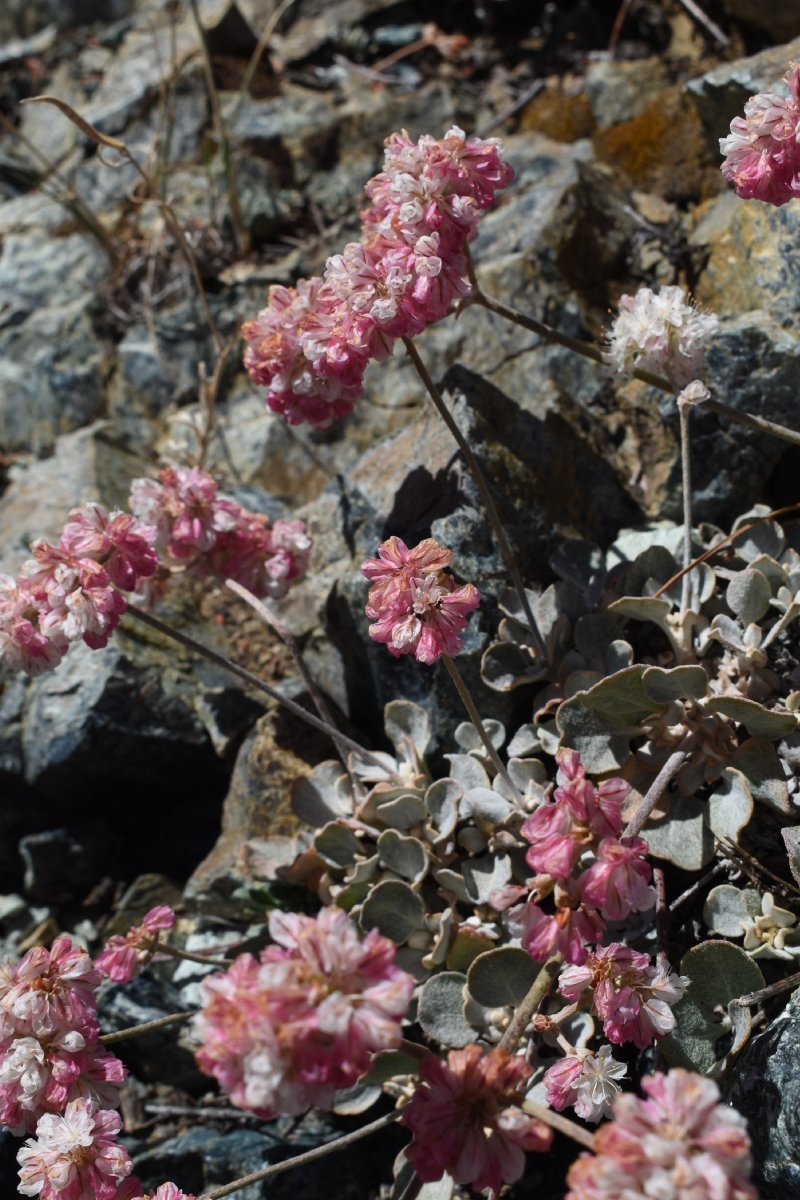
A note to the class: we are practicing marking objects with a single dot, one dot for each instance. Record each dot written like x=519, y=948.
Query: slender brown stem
x=588, y=350
x=308, y=679
x=187, y=956
x=561, y=1124
x=772, y=989
x=477, y=474
x=342, y=1143
x=655, y=792
x=239, y=230
x=480, y=728
x=686, y=486
x=122, y=1035
x=192, y=644
x=530, y=1004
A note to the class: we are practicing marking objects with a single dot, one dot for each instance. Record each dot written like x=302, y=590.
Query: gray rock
x=52, y=376
x=618, y=91
x=38, y=273
x=159, y=1056
x=765, y=1088
x=22, y=18
x=720, y=95
x=63, y=865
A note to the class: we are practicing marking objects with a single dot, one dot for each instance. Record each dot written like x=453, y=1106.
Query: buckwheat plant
x=488, y=926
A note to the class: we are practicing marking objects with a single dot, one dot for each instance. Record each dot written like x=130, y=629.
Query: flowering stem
x=561, y=1124
x=122, y=1035
x=530, y=1004
x=288, y=640
x=187, y=956
x=341, y=1143
x=655, y=792
x=588, y=350
x=248, y=676
x=477, y=474
x=686, y=486
x=480, y=728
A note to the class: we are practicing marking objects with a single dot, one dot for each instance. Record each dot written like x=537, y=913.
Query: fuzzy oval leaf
x=486, y=807
x=683, y=838
x=468, y=738
x=726, y=907
x=719, y=972
x=394, y=910
x=524, y=742
x=323, y=796
x=644, y=608
x=501, y=977
x=759, y=762
x=405, y=856
x=765, y=537
x=791, y=838
x=442, y=800
x=677, y=683
x=338, y=846
x=483, y=875
x=506, y=666
x=600, y=722
x=730, y=806
x=406, y=723
x=748, y=595
x=349, y=1102
x=406, y=1179
x=757, y=720
x=441, y=1010
x=467, y=771
x=403, y=812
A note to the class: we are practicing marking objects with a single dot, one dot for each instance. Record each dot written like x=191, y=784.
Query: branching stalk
x=477, y=474
x=531, y=1004
x=480, y=728
x=342, y=1143
x=655, y=793
x=228, y=664
x=122, y=1035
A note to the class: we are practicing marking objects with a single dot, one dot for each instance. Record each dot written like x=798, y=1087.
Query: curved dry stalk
x=477, y=474
x=122, y=1035
x=654, y=793
x=191, y=643
x=342, y=1143
x=480, y=728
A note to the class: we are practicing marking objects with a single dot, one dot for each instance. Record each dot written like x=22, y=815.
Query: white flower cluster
x=661, y=332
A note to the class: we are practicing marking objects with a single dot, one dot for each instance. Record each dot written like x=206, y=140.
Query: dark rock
x=720, y=95
x=765, y=1088
x=158, y=1055
x=62, y=865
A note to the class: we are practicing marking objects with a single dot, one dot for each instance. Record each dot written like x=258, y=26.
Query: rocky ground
x=135, y=774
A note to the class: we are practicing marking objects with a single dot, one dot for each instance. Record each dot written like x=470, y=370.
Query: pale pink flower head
x=74, y=1156
x=660, y=332
x=680, y=1142
x=39, y=1076
x=287, y=1032
x=569, y=930
x=123, y=957
x=632, y=997
x=23, y=646
x=587, y=1082
x=115, y=540
x=54, y=990
x=618, y=883
x=417, y=608
x=762, y=150
x=465, y=1119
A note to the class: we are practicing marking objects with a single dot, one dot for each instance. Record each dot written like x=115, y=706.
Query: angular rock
x=779, y=21
x=720, y=94
x=765, y=1088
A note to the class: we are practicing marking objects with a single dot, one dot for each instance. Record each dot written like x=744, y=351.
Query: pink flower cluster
x=416, y=606
x=286, y=1032
x=762, y=150
x=680, y=1143
x=616, y=883
x=50, y=1054
x=661, y=332
x=73, y=591
x=586, y=1082
x=466, y=1120
x=123, y=957
x=310, y=346
x=74, y=1156
x=632, y=997
x=195, y=527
